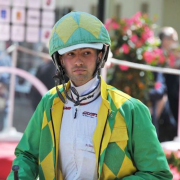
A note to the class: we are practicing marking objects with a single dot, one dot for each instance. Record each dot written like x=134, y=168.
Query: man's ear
x=100, y=55
x=61, y=60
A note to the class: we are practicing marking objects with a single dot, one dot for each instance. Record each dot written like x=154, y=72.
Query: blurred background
x=138, y=29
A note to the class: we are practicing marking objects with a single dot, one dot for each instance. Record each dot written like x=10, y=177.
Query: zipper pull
x=75, y=114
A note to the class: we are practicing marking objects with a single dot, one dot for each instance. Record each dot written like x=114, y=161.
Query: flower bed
x=133, y=40
x=173, y=158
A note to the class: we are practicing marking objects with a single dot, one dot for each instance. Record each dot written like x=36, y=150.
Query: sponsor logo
x=89, y=114
x=66, y=108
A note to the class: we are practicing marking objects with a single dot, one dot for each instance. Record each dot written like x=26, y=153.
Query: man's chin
x=79, y=81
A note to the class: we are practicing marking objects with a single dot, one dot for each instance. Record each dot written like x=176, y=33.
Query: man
x=165, y=96
x=169, y=39
x=45, y=72
x=86, y=129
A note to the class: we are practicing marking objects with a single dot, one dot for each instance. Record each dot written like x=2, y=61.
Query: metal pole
x=12, y=91
x=101, y=6
x=104, y=73
x=178, y=132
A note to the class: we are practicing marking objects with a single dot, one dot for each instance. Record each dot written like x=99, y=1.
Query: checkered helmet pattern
x=76, y=28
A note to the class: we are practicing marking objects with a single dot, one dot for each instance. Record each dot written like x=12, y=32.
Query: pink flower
x=174, y=171
x=134, y=38
x=123, y=67
x=157, y=85
x=137, y=15
x=125, y=28
x=162, y=59
x=115, y=25
x=159, y=55
x=146, y=35
x=158, y=51
x=137, y=19
x=125, y=48
x=151, y=40
x=171, y=60
x=111, y=23
x=108, y=23
x=167, y=152
x=148, y=56
x=139, y=43
x=129, y=22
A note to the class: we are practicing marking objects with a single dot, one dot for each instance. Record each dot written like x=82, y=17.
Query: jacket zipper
x=101, y=144
x=54, y=140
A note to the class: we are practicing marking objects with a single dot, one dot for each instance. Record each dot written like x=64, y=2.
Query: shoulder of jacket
x=118, y=95
x=52, y=93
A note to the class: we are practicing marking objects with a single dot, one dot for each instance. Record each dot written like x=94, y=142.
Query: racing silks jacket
x=125, y=141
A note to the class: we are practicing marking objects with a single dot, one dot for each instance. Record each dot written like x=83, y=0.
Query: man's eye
x=87, y=52
x=70, y=54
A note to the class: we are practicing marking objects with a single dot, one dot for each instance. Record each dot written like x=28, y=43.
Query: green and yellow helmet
x=78, y=30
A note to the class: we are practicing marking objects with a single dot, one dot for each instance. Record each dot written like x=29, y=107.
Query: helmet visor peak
x=98, y=46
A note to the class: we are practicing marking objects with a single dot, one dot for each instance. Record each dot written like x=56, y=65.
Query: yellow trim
x=119, y=133
x=103, y=112
x=102, y=116
x=53, y=90
x=45, y=122
x=104, y=93
x=57, y=111
x=51, y=130
x=48, y=167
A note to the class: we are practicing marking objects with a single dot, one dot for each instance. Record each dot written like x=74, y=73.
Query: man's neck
x=88, y=87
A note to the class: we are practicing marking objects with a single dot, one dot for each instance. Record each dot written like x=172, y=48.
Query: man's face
x=80, y=64
x=168, y=42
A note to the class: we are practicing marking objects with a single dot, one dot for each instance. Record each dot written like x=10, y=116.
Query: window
x=144, y=8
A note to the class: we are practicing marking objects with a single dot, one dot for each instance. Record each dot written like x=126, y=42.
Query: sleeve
x=146, y=150
x=27, y=151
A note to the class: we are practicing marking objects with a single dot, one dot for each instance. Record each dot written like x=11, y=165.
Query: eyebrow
x=81, y=48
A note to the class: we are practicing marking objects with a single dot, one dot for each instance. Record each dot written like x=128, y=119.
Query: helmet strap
x=58, y=78
x=100, y=64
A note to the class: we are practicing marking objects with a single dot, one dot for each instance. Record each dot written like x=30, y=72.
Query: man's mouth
x=79, y=70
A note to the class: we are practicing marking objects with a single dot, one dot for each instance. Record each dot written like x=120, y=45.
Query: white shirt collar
x=87, y=92
x=88, y=87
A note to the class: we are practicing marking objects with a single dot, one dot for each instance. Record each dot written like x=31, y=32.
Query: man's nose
x=78, y=61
